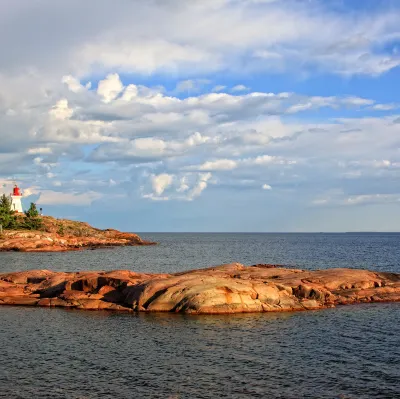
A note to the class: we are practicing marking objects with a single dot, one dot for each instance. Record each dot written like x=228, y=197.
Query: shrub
x=60, y=230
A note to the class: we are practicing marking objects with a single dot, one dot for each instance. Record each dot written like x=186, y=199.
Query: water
x=182, y=251
x=347, y=352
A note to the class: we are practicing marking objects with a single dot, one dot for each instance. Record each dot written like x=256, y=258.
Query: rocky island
x=63, y=235
x=231, y=288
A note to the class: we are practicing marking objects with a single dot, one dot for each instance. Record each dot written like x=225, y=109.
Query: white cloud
x=40, y=150
x=161, y=182
x=385, y=107
x=149, y=142
x=186, y=187
x=220, y=164
x=61, y=110
x=357, y=101
x=73, y=83
x=110, y=87
x=200, y=186
x=230, y=164
x=142, y=56
x=148, y=146
x=130, y=93
x=238, y=88
x=218, y=88
x=183, y=185
x=148, y=149
x=27, y=192
x=134, y=130
x=268, y=160
x=235, y=36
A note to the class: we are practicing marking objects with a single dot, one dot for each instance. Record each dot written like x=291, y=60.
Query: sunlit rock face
x=232, y=288
x=58, y=235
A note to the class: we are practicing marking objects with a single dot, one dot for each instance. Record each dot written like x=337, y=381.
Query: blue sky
x=205, y=115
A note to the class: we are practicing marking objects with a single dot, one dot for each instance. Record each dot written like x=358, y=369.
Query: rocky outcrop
x=232, y=288
x=65, y=235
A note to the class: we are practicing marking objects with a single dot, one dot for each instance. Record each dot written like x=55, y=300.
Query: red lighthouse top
x=17, y=191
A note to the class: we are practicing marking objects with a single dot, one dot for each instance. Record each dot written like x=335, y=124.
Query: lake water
x=347, y=352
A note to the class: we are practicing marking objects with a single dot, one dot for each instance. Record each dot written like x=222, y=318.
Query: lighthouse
x=16, y=204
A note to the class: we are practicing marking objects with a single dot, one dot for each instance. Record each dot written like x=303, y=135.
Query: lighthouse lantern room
x=16, y=204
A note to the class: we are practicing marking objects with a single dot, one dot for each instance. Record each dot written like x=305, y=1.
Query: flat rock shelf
x=231, y=288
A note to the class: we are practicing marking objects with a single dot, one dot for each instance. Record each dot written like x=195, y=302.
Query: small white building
x=16, y=196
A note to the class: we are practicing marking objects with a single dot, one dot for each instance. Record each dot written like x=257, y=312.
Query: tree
x=7, y=216
x=32, y=212
x=32, y=219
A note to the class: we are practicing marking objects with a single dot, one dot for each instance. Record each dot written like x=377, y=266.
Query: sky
x=204, y=115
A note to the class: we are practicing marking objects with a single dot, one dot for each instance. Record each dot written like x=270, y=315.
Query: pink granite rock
x=232, y=288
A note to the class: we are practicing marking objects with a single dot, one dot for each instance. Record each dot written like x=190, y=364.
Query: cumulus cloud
x=167, y=117
x=73, y=84
x=61, y=110
x=147, y=149
x=242, y=137
x=200, y=186
x=161, y=182
x=142, y=37
x=110, y=87
x=183, y=187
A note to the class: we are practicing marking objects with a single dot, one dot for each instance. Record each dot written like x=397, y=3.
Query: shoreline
x=74, y=247
x=61, y=235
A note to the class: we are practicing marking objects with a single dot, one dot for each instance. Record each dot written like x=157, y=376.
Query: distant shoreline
x=59, y=235
x=268, y=232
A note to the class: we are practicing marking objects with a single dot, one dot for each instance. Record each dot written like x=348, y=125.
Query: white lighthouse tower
x=16, y=204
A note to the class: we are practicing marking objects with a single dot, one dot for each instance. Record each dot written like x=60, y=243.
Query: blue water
x=182, y=251
x=347, y=352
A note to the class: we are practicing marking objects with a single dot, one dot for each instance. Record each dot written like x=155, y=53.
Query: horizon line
x=268, y=232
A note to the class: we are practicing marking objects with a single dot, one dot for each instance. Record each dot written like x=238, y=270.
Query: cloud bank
x=166, y=102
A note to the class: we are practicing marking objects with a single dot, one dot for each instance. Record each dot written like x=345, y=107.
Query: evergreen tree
x=32, y=212
x=7, y=217
x=32, y=219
